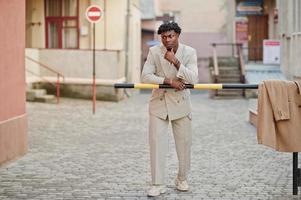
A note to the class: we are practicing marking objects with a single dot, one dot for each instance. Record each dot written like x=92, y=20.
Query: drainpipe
x=105, y=24
x=127, y=33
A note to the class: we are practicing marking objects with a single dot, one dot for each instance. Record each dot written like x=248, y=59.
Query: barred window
x=62, y=23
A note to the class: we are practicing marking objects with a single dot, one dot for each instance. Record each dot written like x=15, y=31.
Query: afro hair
x=169, y=26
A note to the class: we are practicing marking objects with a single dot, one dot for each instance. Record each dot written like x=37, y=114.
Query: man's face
x=170, y=39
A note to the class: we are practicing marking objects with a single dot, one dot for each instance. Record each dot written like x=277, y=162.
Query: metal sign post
x=94, y=15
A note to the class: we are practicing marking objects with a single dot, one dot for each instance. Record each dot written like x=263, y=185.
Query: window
x=62, y=24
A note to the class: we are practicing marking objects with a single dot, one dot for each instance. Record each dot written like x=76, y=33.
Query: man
x=174, y=64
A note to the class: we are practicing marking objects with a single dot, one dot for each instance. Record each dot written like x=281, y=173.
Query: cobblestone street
x=74, y=154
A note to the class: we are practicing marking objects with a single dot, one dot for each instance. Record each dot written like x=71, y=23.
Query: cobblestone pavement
x=74, y=154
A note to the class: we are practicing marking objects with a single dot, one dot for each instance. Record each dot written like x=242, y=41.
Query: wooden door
x=257, y=32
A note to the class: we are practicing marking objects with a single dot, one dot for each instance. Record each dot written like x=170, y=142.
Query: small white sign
x=83, y=30
x=271, y=52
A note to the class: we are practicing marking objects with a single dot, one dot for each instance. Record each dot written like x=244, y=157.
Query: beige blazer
x=169, y=102
x=279, y=115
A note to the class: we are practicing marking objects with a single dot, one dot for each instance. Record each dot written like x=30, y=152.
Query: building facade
x=13, y=118
x=254, y=21
x=290, y=34
x=202, y=23
x=59, y=36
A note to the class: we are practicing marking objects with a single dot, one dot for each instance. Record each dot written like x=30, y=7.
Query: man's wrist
x=168, y=81
x=177, y=63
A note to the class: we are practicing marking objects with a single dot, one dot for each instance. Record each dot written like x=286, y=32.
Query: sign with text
x=250, y=7
x=241, y=30
x=271, y=52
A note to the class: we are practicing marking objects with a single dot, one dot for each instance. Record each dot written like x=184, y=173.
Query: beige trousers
x=158, y=141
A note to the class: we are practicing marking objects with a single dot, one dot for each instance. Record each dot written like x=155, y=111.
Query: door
x=257, y=32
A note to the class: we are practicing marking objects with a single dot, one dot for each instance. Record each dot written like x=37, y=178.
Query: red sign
x=94, y=14
x=241, y=32
x=271, y=43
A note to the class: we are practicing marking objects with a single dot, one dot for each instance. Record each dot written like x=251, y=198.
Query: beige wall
x=111, y=33
x=85, y=41
x=135, y=48
x=202, y=22
x=113, y=18
x=78, y=63
x=116, y=24
x=35, y=33
x=32, y=68
x=273, y=27
x=290, y=34
x=199, y=15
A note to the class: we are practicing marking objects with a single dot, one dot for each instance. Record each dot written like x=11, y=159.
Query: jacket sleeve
x=266, y=130
x=278, y=96
x=149, y=71
x=189, y=71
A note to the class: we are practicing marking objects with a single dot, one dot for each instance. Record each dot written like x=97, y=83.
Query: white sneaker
x=156, y=190
x=181, y=185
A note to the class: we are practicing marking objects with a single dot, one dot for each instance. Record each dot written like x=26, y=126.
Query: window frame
x=60, y=21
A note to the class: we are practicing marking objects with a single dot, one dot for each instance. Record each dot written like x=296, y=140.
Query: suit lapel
x=168, y=69
x=179, y=53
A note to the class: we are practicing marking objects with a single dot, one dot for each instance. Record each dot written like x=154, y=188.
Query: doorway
x=257, y=32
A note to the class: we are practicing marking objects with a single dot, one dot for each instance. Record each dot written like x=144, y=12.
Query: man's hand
x=170, y=57
x=177, y=83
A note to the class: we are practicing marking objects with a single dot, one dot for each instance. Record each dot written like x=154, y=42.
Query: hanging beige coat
x=279, y=115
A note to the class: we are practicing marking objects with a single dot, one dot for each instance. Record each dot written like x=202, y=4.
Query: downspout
x=127, y=33
x=105, y=24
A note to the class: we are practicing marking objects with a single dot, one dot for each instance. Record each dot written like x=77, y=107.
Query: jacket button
x=161, y=99
x=178, y=101
x=165, y=91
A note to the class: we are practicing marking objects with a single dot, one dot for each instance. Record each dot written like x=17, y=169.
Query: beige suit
x=169, y=104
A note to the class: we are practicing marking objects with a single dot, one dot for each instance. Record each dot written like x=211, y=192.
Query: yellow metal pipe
x=145, y=86
x=208, y=86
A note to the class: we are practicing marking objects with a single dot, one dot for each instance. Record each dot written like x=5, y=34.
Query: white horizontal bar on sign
x=94, y=14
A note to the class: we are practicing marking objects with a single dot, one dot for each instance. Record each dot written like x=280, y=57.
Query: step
x=253, y=111
x=226, y=74
x=229, y=76
x=228, y=66
x=32, y=94
x=227, y=61
x=228, y=80
x=46, y=99
x=228, y=69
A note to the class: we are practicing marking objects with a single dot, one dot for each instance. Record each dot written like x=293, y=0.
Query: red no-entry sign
x=93, y=14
